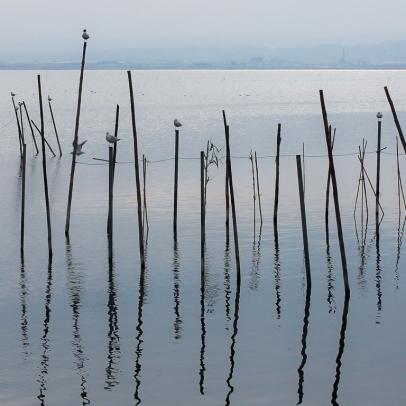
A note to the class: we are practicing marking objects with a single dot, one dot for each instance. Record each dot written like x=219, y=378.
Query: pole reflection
x=300, y=370
x=177, y=325
x=113, y=337
x=277, y=268
x=23, y=317
x=334, y=395
x=75, y=287
x=45, y=342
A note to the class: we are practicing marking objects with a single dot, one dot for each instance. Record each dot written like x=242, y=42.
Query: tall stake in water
x=175, y=187
x=137, y=174
x=85, y=37
x=44, y=170
x=276, y=201
x=54, y=124
x=32, y=131
x=378, y=170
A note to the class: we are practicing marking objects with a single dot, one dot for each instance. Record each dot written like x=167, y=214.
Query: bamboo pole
x=378, y=171
x=75, y=141
x=32, y=131
x=23, y=199
x=137, y=175
x=328, y=189
x=276, y=201
x=175, y=187
x=202, y=208
x=110, y=215
x=335, y=196
x=45, y=140
x=233, y=209
x=395, y=118
x=254, y=198
x=21, y=123
x=303, y=216
x=258, y=190
x=55, y=129
x=227, y=190
x=44, y=170
x=20, y=143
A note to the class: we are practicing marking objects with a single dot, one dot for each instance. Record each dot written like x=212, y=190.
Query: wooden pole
x=254, y=198
x=233, y=209
x=23, y=198
x=258, y=191
x=227, y=190
x=276, y=201
x=304, y=169
x=175, y=187
x=21, y=123
x=32, y=131
x=378, y=171
x=137, y=174
x=335, y=196
x=20, y=142
x=202, y=208
x=328, y=190
x=44, y=170
x=395, y=118
x=75, y=141
x=45, y=140
x=56, y=131
x=110, y=216
x=303, y=216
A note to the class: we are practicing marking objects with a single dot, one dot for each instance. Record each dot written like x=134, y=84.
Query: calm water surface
x=85, y=331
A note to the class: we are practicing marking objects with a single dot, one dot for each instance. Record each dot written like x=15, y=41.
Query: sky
x=55, y=25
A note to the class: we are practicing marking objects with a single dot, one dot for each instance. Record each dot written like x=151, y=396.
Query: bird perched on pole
x=49, y=98
x=85, y=35
x=177, y=123
x=13, y=94
x=111, y=138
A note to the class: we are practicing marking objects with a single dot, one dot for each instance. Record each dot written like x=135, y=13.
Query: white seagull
x=111, y=138
x=13, y=94
x=85, y=35
x=79, y=147
x=177, y=123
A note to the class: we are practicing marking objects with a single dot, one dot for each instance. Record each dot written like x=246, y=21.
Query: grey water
x=83, y=330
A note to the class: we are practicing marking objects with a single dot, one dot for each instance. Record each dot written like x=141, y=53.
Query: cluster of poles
x=208, y=157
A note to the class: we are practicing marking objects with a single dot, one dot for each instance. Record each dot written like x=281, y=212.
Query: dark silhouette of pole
x=335, y=196
x=378, y=171
x=303, y=216
x=276, y=201
x=202, y=207
x=175, y=188
x=137, y=174
x=227, y=189
x=56, y=131
x=32, y=131
x=233, y=209
x=395, y=118
x=110, y=215
x=23, y=198
x=44, y=170
x=46, y=142
x=75, y=141
x=20, y=143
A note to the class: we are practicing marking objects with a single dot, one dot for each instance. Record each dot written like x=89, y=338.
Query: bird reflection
x=330, y=277
x=233, y=342
x=340, y=350
x=75, y=285
x=378, y=279
x=256, y=256
x=177, y=325
x=113, y=337
x=43, y=370
x=23, y=318
x=277, y=268
x=401, y=231
x=142, y=295
x=304, y=344
x=227, y=281
x=202, y=368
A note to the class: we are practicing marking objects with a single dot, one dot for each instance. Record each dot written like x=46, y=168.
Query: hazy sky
x=46, y=25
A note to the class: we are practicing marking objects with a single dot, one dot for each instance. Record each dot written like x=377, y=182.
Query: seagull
x=49, y=98
x=177, y=123
x=85, y=35
x=79, y=147
x=111, y=138
x=13, y=94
